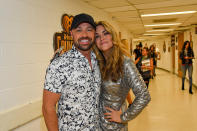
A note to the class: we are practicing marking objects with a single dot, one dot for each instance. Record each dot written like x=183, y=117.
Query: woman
x=119, y=75
x=146, y=65
x=186, y=56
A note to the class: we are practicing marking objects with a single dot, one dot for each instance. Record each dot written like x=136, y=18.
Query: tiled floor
x=170, y=109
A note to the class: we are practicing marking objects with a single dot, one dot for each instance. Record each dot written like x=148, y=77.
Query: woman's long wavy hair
x=112, y=67
x=184, y=45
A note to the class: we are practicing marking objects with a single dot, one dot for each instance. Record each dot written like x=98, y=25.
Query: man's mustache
x=82, y=38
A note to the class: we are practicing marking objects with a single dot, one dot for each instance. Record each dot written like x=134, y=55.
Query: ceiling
x=128, y=13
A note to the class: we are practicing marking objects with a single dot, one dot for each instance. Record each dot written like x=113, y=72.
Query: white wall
x=176, y=54
x=26, y=36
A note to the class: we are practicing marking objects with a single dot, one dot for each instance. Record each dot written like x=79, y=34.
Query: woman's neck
x=107, y=53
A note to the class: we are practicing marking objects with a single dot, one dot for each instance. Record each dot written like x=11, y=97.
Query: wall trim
x=176, y=75
x=21, y=115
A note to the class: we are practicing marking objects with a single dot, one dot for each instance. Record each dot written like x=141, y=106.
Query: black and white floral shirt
x=79, y=85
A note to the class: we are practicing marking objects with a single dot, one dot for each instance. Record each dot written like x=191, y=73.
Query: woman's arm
x=151, y=64
x=136, y=61
x=133, y=80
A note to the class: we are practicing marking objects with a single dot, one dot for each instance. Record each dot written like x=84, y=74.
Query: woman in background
x=186, y=56
x=145, y=65
x=119, y=75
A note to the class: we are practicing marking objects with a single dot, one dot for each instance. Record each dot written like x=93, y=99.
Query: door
x=173, y=52
x=180, y=45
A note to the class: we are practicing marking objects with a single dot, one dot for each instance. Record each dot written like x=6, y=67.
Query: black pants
x=147, y=81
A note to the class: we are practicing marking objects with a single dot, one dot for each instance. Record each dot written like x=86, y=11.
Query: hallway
x=170, y=109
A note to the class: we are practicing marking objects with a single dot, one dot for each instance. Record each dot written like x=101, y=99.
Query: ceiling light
x=139, y=39
x=159, y=30
x=171, y=13
x=163, y=24
x=154, y=34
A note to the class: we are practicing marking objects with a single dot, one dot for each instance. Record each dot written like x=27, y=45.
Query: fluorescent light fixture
x=171, y=13
x=139, y=39
x=163, y=24
x=154, y=34
x=159, y=30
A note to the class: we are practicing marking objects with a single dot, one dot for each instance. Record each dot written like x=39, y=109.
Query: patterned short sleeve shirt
x=79, y=85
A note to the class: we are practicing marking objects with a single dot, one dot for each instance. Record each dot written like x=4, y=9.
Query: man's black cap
x=82, y=18
x=140, y=44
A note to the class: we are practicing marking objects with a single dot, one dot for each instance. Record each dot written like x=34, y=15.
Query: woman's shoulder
x=128, y=61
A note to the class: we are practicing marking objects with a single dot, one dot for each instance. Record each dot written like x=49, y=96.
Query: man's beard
x=80, y=47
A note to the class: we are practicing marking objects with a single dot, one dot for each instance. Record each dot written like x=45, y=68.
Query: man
x=73, y=81
x=136, y=52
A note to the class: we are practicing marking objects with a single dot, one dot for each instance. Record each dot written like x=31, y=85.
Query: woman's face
x=103, y=39
x=152, y=48
x=187, y=45
x=144, y=52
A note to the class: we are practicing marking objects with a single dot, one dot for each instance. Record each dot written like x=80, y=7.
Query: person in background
x=139, y=54
x=119, y=75
x=140, y=49
x=146, y=45
x=145, y=65
x=136, y=52
x=153, y=55
x=186, y=56
x=73, y=81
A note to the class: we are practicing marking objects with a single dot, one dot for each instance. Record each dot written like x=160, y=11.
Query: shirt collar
x=78, y=54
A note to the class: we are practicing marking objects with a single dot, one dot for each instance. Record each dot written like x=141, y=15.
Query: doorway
x=180, y=45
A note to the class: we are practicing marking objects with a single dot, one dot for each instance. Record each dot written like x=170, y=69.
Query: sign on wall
x=63, y=39
x=172, y=40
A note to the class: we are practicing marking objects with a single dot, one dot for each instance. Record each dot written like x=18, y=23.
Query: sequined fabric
x=113, y=95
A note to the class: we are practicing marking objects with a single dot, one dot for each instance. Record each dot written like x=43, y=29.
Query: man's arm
x=49, y=109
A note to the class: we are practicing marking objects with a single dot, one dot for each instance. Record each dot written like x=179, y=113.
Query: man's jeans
x=190, y=70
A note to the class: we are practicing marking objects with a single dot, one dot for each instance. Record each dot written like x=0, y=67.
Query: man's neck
x=85, y=53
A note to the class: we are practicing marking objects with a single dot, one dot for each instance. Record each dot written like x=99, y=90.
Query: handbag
x=146, y=74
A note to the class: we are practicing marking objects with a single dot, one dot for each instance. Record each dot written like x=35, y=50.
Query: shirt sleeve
x=136, y=83
x=53, y=79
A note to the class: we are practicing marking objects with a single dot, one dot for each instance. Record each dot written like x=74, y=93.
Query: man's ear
x=71, y=33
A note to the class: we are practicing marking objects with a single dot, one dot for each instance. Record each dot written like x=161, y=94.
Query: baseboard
x=19, y=116
x=163, y=69
x=194, y=85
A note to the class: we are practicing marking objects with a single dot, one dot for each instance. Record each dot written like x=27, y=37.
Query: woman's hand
x=144, y=67
x=186, y=57
x=113, y=115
